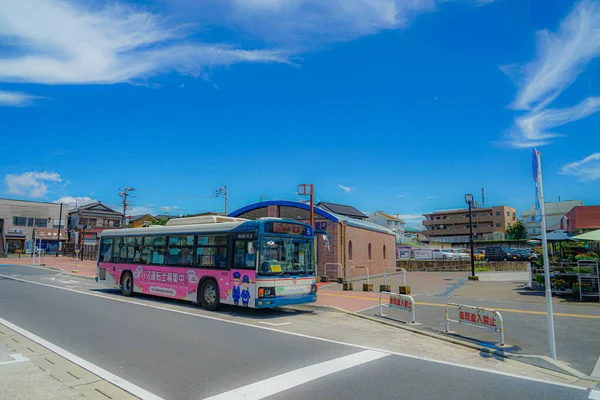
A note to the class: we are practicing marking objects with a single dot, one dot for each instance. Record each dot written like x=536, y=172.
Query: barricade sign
x=399, y=302
x=479, y=317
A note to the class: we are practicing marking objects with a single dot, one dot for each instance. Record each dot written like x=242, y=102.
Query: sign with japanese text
x=401, y=302
x=288, y=228
x=482, y=318
x=422, y=254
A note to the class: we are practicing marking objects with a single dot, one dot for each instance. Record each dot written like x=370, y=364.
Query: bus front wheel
x=209, y=295
x=127, y=284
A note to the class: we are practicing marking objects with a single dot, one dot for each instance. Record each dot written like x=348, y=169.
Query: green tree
x=160, y=221
x=516, y=231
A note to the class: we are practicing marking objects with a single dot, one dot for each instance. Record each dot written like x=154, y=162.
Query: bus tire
x=127, y=284
x=209, y=295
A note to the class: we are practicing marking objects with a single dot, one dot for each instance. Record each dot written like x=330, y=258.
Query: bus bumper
x=268, y=302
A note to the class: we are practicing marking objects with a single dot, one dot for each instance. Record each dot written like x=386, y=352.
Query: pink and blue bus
x=213, y=260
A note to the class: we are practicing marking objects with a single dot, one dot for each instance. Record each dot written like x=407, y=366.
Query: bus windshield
x=286, y=256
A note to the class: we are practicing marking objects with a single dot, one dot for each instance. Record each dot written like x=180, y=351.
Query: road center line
x=94, y=369
x=358, y=346
x=279, y=383
x=275, y=324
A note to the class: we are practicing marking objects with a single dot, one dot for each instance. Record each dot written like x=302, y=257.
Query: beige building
x=452, y=226
x=22, y=220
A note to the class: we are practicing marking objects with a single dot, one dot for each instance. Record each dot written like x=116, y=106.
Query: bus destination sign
x=288, y=228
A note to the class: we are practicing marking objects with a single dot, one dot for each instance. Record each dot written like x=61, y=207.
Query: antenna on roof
x=482, y=198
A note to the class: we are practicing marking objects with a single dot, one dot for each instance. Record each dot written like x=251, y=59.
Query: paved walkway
x=68, y=265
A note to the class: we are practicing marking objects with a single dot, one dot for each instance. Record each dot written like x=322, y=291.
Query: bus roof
x=245, y=225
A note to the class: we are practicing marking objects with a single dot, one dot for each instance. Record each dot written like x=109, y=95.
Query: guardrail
x=339, y=267
x=362, y=267
x=399, y=302
x=484, y=318
x=395, y=269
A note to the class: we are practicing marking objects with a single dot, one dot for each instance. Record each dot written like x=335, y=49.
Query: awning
x=15, y=236
x=593, y=236
x=557, y=236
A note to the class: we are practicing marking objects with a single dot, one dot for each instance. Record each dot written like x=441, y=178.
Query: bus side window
x=106, y=249
x=116, y=250
x=158, y=246
x=242, y=258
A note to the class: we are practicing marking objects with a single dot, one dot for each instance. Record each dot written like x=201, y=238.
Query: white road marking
x=596, y=371
x=358, y=346
x=594, y=394
x=274, y=324
x=17, y=358
x=94, y=369
x=368, y=308
x=279, y=383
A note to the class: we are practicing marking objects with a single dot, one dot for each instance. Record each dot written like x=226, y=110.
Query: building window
x=20, y=221
x=350, y=250
x=369, y=251
x=497, y=213
x=384, y=255
x=514, y=215
x=41, y=222
x=508, y=213
x=474, y=225
x=498, y=225
x=30, y=221
x=532, y=219
x=437, y=217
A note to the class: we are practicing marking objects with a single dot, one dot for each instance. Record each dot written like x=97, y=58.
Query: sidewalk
x=30, y=371
x=86, y=268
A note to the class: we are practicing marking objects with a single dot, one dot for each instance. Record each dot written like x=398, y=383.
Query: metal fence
x=86, y=252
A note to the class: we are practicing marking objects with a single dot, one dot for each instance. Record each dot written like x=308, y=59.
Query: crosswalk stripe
x=279, y=383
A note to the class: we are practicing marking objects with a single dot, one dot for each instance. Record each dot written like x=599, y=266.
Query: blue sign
x=321, y=226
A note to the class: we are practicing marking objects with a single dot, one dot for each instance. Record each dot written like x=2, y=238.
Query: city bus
x=213, y=260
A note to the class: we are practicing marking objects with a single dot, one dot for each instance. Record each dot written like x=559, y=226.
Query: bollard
x=367, y=287
x=385, y=288
x=473, y=278
x=348, y=286
x=324, y=279
x=404, y=289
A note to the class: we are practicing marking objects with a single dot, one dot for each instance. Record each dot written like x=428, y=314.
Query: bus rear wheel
x=127, y=284
x=209, y=295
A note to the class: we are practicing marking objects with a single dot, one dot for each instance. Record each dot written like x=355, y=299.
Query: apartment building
x=554, y=210
x=22, y=220
x=389, y=221
x=452, y=226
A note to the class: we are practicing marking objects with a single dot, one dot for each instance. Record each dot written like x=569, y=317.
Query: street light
x=469, y=201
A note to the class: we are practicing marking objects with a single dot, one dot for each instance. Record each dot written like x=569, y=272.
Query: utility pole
x=124, y=193
x=308, y=189
x=59, y=224
x=469, y=201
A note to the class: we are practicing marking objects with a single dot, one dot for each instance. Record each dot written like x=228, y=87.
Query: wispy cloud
x=430, y=197
x=30, y=184
x=402, y=196
x=169, y=208
x=346, y=189
x=587, y=169
x=55, y=42
x=73, y=202
x=15, y=99
x=561, y=57
x=413, y=220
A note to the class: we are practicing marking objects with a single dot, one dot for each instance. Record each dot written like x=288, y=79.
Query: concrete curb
x=62, y=271
x=539, y=361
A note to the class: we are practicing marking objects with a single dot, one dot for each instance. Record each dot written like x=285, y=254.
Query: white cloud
x=430, y=197
x=140, y=210
x=56, y=42
x=533, y=127
x=413, y=220
x=346, y=189
x=30, y=184
x=561, y=57
x=15, y=99
x=73, y=202
x=169, y=208
x=402, y=196
x=587, y=169
x=306, y=23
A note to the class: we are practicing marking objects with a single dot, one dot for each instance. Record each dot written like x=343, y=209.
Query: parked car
x=526, y=255
x=463, y=254
x=479, y=255
x=499, y=253
x=443, y=254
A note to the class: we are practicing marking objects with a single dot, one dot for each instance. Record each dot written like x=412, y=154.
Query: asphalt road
x=181, y=356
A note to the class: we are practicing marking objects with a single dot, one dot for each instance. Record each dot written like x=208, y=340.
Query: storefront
x=48, y=239
x=15, y=240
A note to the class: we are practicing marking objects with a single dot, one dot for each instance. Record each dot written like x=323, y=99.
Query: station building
x=353, y=242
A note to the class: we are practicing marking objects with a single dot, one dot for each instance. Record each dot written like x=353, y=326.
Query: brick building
x=582, y=219
x=353, y=242
x=452, y=226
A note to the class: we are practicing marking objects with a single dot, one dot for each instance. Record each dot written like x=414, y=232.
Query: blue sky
x=401, y=106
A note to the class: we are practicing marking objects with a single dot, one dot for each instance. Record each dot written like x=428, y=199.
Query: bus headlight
x=266, y=292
